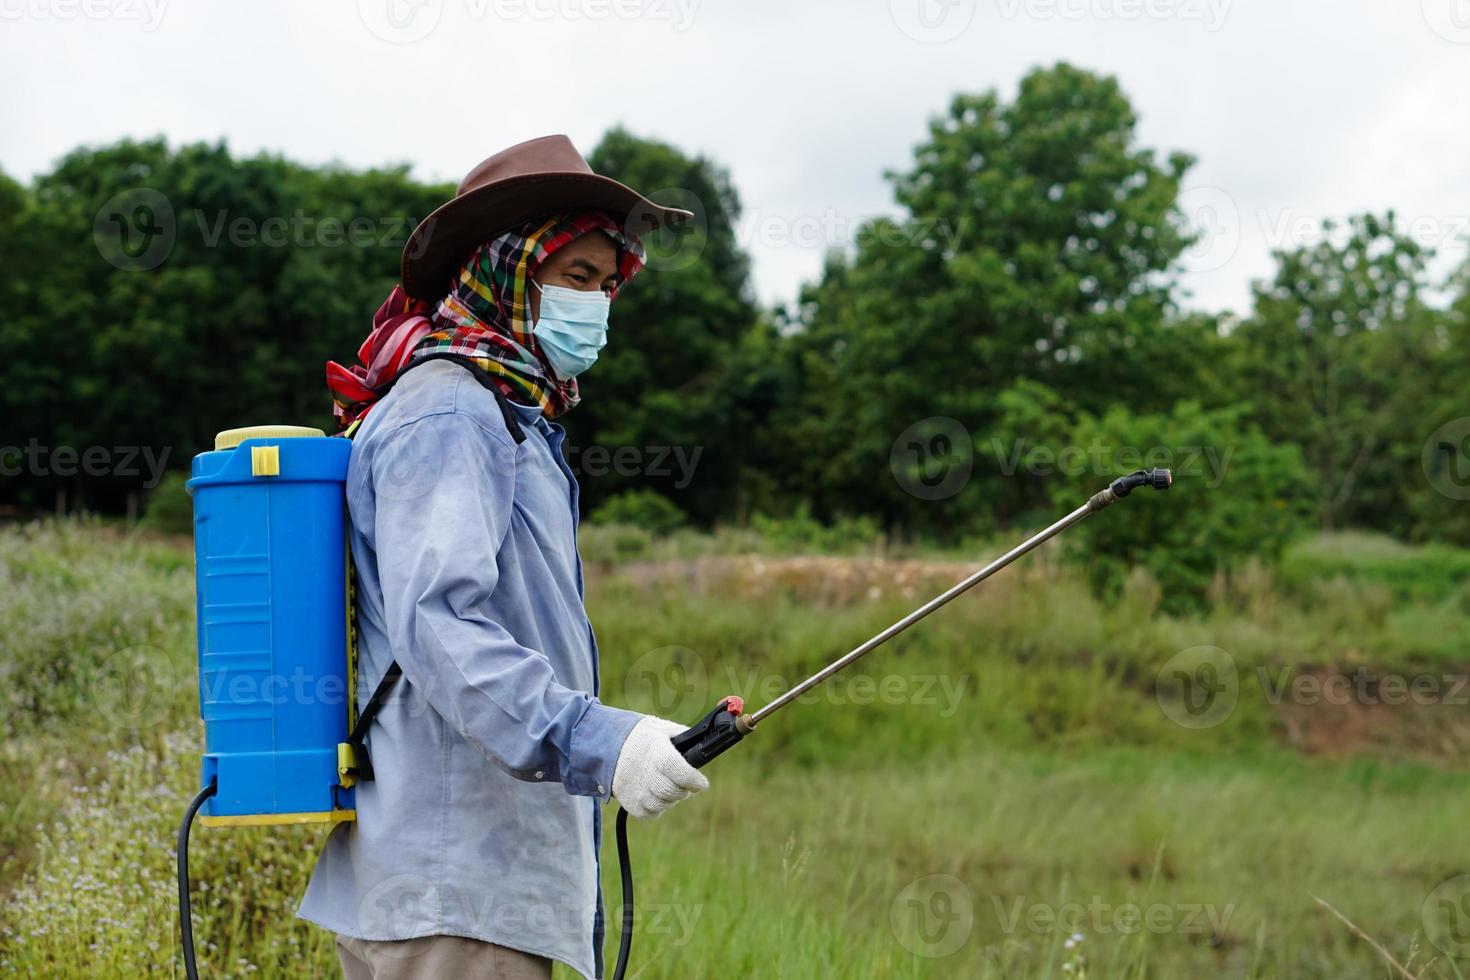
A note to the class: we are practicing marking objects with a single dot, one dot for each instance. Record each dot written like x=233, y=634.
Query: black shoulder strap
x=364, y=769
x=364, y=766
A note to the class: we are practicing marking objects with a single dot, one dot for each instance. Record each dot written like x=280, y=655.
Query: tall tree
x=1035, y=245
x=183, y=291
x=661, y=390
x=1433, y=449
x=1336, y=358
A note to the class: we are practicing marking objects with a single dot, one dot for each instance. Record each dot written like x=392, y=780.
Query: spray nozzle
x=1158, y=479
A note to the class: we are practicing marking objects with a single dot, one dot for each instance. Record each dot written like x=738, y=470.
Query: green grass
x=1431, y=572
x=1005, y=765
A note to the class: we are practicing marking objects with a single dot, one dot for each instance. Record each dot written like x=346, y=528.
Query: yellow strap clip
x=265, y=460
x=346, y=765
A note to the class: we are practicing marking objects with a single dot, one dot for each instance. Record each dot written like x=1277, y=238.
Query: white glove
x=651, y=775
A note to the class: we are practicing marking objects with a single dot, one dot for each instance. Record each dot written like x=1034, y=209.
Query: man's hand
x=651, y=775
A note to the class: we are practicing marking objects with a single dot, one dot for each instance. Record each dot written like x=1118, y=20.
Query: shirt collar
x=529, y=414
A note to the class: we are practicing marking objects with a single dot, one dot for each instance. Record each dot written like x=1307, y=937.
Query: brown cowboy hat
x=531, y=179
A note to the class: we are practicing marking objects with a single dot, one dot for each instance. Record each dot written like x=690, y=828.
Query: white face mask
x=571, y=327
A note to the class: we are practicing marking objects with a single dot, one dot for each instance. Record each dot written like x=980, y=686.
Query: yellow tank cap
x=230, y=438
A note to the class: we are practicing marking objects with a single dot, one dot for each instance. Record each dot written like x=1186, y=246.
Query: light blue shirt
x=493, y=756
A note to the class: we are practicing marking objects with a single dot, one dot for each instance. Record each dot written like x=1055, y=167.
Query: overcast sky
x=1296, y=109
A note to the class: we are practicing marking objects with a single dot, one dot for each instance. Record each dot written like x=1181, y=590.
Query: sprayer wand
x=726, y=724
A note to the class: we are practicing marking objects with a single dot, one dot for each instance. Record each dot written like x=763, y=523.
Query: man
x=475, y=849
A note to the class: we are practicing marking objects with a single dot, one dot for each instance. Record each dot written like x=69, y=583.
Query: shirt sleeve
x=444, y=488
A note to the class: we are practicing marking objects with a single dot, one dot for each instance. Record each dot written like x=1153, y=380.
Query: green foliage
x=604, y=544
x=1436, y=451
x=1337, y=358
x=1025, y=283
x=197, y=291
x=1427, y=573
x=641, y=508
x=107, y=905
x=170, y=508
x=1236, y=495
x=664, y=379
x=95, y=630
x=800, y=532
x=1035, y=247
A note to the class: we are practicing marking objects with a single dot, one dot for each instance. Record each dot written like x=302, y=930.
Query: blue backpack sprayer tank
x=274, y=616
x=283, y=741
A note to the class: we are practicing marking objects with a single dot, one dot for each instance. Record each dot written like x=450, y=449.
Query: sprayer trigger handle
x=713, y=734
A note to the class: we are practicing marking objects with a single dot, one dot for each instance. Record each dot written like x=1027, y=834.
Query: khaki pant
x=433, y=957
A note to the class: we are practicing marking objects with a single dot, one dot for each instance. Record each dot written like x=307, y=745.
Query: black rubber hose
x=186, y=923
x=625, y=870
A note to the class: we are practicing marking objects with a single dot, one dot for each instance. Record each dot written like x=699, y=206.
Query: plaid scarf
x=486, y=317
